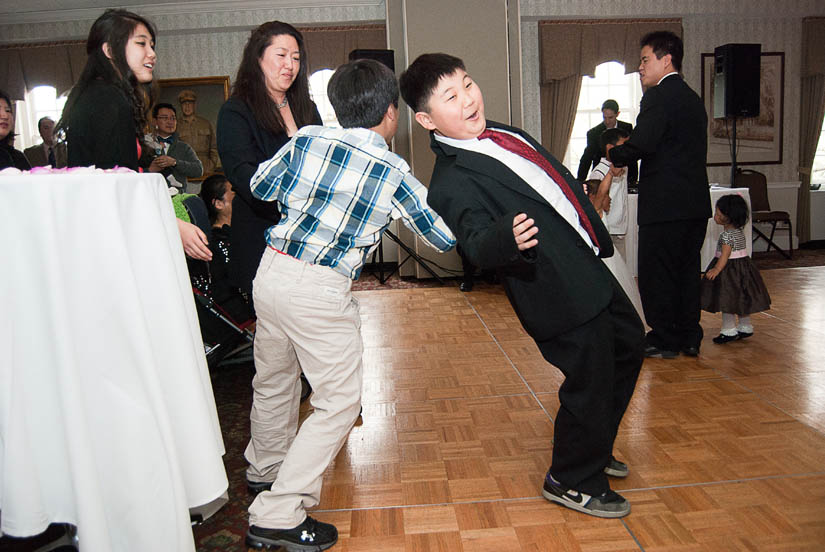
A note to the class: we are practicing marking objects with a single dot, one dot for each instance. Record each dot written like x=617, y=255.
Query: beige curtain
x=329, y=47
x=569, y=50
x=23, y=67
x=559, y=99
x=811, y=113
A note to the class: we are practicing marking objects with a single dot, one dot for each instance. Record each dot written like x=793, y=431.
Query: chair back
x=757, y=184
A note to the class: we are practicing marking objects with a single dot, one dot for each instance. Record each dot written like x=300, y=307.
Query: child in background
x=607, y=189
x=732, y=283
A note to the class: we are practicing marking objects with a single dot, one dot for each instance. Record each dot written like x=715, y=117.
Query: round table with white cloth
x=107, y=417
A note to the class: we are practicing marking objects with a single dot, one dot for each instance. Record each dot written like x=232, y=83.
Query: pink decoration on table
x=66, y=170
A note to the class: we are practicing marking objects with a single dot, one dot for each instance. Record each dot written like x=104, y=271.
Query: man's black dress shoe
x=651, y=351
x=466, y=285
x=691, y=351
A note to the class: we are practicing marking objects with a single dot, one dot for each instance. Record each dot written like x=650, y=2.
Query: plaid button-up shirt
x=338, y=189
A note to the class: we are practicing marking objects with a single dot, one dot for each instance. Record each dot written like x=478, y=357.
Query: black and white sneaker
x=311, y=536
x=607, y=505
x=616, y=469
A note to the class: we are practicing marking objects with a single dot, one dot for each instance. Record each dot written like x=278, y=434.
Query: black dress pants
x=600, y=360
x=670, y=282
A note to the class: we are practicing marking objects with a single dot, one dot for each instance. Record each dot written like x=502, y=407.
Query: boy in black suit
x=515, y=208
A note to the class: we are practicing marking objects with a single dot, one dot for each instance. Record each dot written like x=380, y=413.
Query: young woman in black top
x=106, y=111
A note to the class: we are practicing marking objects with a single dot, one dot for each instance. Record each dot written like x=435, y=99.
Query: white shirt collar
x=666, y=76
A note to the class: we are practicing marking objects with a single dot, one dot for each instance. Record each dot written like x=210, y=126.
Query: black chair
x=761, y=212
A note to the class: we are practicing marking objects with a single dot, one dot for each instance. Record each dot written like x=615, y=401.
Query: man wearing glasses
x=173, y=158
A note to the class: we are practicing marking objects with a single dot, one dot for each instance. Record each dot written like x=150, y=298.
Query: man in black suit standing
x=674, y=202
x=593, y=152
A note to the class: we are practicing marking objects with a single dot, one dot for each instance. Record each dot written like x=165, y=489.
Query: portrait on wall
x=197, y=102
x=211, y=93
x=758, y=139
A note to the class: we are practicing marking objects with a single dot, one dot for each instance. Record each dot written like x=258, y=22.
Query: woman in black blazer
x=269, y=103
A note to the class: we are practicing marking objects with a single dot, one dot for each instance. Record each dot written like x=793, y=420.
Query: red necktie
x=513, y=144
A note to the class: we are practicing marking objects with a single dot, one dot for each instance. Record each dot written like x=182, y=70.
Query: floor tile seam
x=632, y=535
x=509, y=360
x=791, y=323
x=538, y=496
x=724, y=481
x=774, y=405
x=431, y=505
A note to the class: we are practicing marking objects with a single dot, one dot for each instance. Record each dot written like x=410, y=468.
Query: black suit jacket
x=242, y=145
x=593, y=153
x=553, y=287
x=671, y=140
x=38, y=158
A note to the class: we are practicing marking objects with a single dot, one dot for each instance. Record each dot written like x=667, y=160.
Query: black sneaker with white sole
x=606, y=505
x=616, y=469
x=311, y=536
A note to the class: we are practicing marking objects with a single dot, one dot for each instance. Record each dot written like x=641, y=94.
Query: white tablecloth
x=107, y=417
x=711, y=237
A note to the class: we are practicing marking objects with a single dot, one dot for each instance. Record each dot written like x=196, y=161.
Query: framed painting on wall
x=211, y=93
x=758, y=139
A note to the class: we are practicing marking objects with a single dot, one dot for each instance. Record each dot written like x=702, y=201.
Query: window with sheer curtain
x=609, y=82
x=818, y=172
x=318, y=90
x=41, y=101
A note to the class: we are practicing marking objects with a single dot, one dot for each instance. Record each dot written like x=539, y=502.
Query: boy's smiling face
x=455, y=108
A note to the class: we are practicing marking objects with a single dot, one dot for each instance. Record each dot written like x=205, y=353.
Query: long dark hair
x=114, y=27
x=10, y=136
x=250, y=83
x=213, y=188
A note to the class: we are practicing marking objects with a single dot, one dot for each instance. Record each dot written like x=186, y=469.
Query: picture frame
x=758, y=139
x=212, y=93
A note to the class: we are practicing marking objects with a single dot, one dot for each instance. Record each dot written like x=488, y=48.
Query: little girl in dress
x=732, y=283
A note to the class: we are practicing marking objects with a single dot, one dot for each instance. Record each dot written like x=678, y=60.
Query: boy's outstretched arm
x=264, y=183
x=409, y=203
x=488, y=239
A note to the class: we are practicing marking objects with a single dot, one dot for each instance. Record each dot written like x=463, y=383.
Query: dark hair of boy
x=420, y=79
x=612, y=136
x=160, y=106
x=592, y=186
x=663, y=43
x=361, y=91
x=734, y=208
x=213, y=188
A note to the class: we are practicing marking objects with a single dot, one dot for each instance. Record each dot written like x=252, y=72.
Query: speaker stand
x=733, y=154
x=410, y=255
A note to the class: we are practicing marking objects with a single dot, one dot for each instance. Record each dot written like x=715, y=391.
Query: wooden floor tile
x=726, y=451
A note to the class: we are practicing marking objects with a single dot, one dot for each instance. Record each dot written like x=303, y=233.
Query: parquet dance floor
x=726, y=451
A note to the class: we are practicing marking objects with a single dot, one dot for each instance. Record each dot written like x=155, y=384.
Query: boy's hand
x=523, y=232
